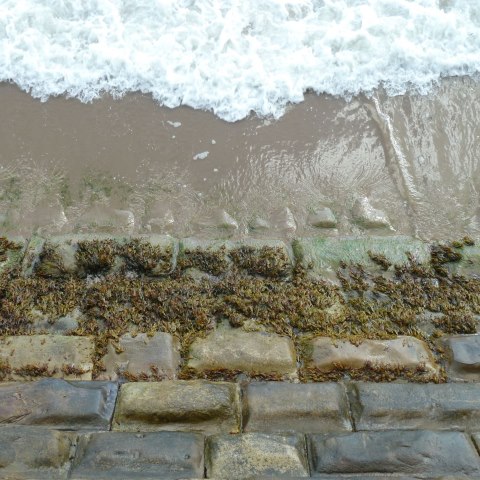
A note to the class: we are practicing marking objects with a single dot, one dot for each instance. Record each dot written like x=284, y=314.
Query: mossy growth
x=50, y=263
x=267, y=261
x=6, y=246
x=96, y=256
x=145, y=257
x=380, y=260
x=209, y=260
x=365, y=306
x=372, y=372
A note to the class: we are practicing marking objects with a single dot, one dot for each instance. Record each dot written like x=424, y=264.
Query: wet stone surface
x=142, y=357
x=250, y=352
x=289, y=407
x=403, y=351
x=149, y=456
x=463, y=357
x=33, y=453
x=415, y=406
x=58, y=404
x=28, y=357
x=252, y=455
x=421, y=452
x=195, y=405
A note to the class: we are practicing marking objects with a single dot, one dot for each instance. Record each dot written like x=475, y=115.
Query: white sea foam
x=235, y=56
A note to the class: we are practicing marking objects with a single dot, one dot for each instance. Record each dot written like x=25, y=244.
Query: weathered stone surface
x=251, y=352
x=142, y=357
x=463, y=353
x=33, y=453
x=253, y=455
x=193, y=405
x=58, y=404
x=149, y=456
x=387, y=406
x=402, y=351
x=369, y=217
x=32, y=255
x=290, y=407
x=322, y=218
x=55, y=356
x=325, y=254
x=425, y=453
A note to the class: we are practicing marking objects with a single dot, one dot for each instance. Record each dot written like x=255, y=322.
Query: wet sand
x=130, y=165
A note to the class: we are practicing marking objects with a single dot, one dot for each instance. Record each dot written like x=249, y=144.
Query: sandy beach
x=130, y=164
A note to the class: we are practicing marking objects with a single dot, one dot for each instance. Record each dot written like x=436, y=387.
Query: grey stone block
x=194, y=405
x=463, y=352
x=35, y=453
x=377, y=406
x=58, y=404
x=421, y=452
x=147, y=456
x=292, y=407
x=325, y=254
x=256, y=455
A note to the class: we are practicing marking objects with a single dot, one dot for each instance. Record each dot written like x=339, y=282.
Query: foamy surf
x=235, y=56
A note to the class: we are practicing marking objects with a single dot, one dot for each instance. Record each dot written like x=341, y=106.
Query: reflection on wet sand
x=404, y=164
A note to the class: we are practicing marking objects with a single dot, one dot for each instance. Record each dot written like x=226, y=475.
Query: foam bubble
x=235, y=56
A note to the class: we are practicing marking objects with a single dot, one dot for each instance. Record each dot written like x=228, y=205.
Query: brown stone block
x=250, y=352
x=194, y=405
x=28, y=357
x=142, y=356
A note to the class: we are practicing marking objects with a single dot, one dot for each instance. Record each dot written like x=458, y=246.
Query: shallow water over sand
x=130, y=165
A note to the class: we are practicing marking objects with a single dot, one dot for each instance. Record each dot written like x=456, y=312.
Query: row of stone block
x=34, y=453
x=160, y=254
x=227, y=407
x=143, y=356
x=71, y=357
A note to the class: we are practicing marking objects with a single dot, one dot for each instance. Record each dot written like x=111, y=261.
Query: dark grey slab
x=59, y=404
x=423, y=453
x=256, y=455
x=294, y=407
x=147, y=456
x=35, y=453
x=386, y=406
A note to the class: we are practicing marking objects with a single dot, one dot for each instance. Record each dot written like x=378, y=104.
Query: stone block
x=194, y=405
x=267, y=258
x=396, y=406
x=206, y=256
x=324, y=255
x=58, y=356
x=147, y=456
x=250, y=352
x=35, y=454
x=31, y=257
x=403, y=351
x=153, y=255
x=252, y=455
x=291, y=407
x=142, y=356
x=421, y=452
x=463, y=357
x=79, y=254
x=58, y=404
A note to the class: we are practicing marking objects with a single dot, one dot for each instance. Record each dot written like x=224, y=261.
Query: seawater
x=234, y=57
